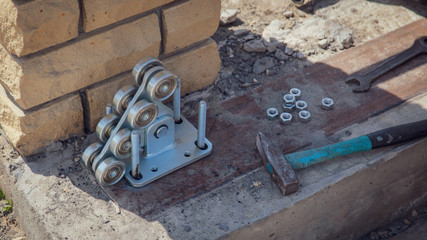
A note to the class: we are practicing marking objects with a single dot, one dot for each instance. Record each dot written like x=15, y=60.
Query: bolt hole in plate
x=171, y=160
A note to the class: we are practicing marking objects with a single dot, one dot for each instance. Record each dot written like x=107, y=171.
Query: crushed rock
x=255, y=46
x=228, y=16
x=263, y=64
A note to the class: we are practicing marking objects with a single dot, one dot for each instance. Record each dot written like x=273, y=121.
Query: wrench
x=364, y=81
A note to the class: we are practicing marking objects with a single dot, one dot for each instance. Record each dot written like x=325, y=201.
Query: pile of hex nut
x=292, y=101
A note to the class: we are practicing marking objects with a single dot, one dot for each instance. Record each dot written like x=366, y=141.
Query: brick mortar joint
x=85, y=35
x=79, y=92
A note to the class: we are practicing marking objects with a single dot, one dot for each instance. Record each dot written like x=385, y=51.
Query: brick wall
x=62, y=61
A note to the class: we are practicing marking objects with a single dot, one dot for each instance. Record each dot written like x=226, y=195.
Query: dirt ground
x=261, y=40
x=9, y=228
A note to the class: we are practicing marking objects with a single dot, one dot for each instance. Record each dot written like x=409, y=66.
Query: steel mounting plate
x=184, y=153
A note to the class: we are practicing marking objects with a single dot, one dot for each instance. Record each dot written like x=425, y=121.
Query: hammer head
x=277, y=165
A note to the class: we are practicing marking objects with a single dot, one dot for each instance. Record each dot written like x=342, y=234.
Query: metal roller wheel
x=121, y=145
x=110, y=171
x=162, y=85
x=142, y=66
x=151, y=72
x=123, y=97
x=106, y=126
x=91, y=152
x=142, y=114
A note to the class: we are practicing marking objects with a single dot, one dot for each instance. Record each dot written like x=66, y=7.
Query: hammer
x=281, y=167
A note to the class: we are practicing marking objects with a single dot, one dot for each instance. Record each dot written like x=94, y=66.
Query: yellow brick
x=100, y=13
x=41, y=78
x=189, y=22
x=30, y=131
x=197, y=68
x=28, y=27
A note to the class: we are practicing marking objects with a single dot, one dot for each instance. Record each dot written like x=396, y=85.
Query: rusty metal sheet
x=233, y=124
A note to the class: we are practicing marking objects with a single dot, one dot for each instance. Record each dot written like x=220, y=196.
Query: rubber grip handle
x=401, y=133
x=309, y=157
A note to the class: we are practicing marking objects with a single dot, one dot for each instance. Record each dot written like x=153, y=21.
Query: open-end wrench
x=364, y=81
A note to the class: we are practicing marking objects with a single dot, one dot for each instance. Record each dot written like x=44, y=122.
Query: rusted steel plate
x=233, y=124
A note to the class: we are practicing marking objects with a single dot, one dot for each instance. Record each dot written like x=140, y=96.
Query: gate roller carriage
x=141, y=138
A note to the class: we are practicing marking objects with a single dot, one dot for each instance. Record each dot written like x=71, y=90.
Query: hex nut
x=288, y=107
x=296, y=92
x=285, y=118
x=272, y=113
x=289, y=99
x=301, y=105
x=304, y=116
x=327, y=104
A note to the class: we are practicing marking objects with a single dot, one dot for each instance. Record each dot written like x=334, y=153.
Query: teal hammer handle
x=309, y=157
x=382, y=138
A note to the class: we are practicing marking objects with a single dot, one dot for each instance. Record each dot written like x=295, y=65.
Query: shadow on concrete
x=411, y=5
x=233, y=123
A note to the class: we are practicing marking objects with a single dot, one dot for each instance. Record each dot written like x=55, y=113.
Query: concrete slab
x=229, y=195
x=58, y=198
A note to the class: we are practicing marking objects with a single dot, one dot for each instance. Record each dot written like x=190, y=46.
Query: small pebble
x=52, y=194
x=324, y=43
x=223, y=226
x=187, y=228
x=289, y=51
x=414, y=213
x=288, y=14
x=256, y=183
x=240, y=32
x=228, y=16
x=406, y=222
x=77, y=159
